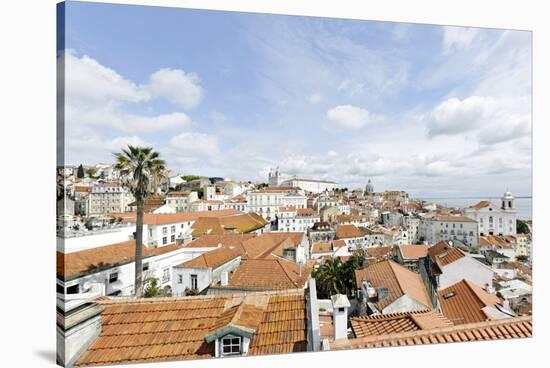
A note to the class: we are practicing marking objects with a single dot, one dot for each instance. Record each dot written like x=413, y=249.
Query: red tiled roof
x=268, y=274
x=442, y=254
x=212, y=259
x=71, y=265
x=398, y=279
x=463, y=302
x=171, y=218
x=480, y=205
x=167, y=329
x=348, y=231
x=397, y=322
x=413, y=251
x=508, y=328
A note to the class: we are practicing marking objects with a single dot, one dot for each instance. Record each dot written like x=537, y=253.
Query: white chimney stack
x=224, y=278
x=340, y=305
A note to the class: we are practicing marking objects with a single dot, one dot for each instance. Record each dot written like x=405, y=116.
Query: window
x=180, y=279
x=73, y=289
x=164, y=240
x=194, y=282
x=113, y=277
x=173, y=228
x=172, y=238
x=145, y=267
x=164, y=230
x=231, y=345
x=166, y=275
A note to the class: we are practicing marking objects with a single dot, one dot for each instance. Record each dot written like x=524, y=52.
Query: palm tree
x=329, y=277
x=138, y=166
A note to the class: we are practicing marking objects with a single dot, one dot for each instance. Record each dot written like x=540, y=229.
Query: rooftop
x=413, y=251
x=397, y=323
x=348, y=231
x=164, y=329
x=268, y=274
x=72, y=265
x=397, y=279
x=509, y=328
x=464, y=301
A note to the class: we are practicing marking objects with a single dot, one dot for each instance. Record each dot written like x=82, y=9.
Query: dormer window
x=231, y=345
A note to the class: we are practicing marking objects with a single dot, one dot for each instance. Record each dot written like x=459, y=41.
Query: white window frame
x=234, y=344
x=194, y=278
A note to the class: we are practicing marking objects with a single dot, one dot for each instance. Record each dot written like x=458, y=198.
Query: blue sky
x=433, y=110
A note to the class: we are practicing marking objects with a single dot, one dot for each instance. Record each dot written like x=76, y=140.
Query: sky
x=433, y=110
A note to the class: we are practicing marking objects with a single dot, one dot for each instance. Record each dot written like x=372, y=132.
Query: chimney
x=340, y=305
x=78, y=325
x=224, y=278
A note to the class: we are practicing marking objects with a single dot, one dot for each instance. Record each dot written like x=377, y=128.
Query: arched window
x=490, y=219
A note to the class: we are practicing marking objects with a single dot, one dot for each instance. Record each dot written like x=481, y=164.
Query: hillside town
x=288, y=264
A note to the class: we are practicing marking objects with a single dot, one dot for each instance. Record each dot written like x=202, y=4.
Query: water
x=523, y=204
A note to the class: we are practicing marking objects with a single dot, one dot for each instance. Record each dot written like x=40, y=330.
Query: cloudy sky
x=434, y=110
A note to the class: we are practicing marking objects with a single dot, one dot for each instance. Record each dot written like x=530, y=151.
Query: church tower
x=507, y=201
x=274, y=177
x=369, y=189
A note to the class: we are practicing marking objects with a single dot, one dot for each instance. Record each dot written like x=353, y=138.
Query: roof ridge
x=286, y=272
x=434, y=331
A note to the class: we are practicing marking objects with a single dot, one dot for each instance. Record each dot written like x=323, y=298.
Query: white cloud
x=89, y=83
x=189, y=145
x=493, y=120
x=182, y=89
x=315, y=98
x=350, y=117
x=457, y=38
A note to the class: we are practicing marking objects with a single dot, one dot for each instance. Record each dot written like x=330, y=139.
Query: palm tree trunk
x=138, y=282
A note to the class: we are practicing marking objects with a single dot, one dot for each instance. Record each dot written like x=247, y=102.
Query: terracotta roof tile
x=413, y=251
x=268, y=274
x=321, y=247
x=442, y=254
x=212, y=241
x=171, y=218
x=398, y=279
x=72, y=265
x=377, y=252
x=463, y=302
x=443, y=218
x=480, y=205
x=212, y=259
x=397, y=322
x=348, y=231
x=508, y=328
x=164, y=329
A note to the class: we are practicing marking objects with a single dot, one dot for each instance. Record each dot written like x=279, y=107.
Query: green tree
x=137, y=166
x=91, y=171
x=191, y=292
x=522, y=258
x=337, y=277
x=190, y=177
x=328, y=277
x=151, y=287
x=522, y=227
x=80, y=172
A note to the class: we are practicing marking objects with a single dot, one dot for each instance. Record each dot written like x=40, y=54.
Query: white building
x=295, y=200
x=181, y=201
x=442, y=228
x=108, y=198
x=493, y=219
x=296, y=219
x=208, y=268
x=311, y=185
x=452, y=265
x=265, y=204
x=412, y=224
